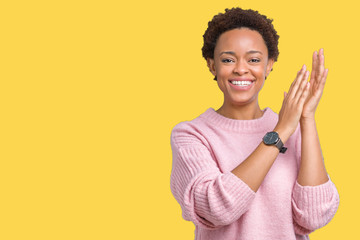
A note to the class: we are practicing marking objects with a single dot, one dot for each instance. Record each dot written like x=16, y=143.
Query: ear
x=269, y=66
x=211, y=65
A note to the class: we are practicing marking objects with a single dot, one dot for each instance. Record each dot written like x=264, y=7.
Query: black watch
x=272, y=138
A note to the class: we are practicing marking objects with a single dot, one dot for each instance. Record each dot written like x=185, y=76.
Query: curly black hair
x=238, y=18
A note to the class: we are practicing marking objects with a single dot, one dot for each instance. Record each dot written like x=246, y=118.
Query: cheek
x=224, y=71
x=259, y=73
x=223, y=74
x=221, y=84
x=261, y=70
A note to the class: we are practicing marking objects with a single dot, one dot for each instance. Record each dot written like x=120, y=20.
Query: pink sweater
x=206, y=150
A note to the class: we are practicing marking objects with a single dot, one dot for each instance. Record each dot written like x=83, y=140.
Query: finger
x=301, y=87
x=321, y=70
x=313, y=67
x=324, y=79
x=320, y=87
x=326, y=74
x=321, y=67
x=304, y=95
x=296, y=83
x=297, y=75
x=323, y=55
x=284, y=100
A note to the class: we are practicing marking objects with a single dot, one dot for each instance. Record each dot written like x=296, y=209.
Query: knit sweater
x=222, y=206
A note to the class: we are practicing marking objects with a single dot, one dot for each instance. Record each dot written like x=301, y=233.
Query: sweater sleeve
x=209, y=198
x=313, y=206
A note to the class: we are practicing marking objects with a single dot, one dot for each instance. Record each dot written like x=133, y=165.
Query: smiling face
x=240, y=64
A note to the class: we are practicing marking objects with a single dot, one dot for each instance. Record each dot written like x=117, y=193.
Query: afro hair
x=240, y=18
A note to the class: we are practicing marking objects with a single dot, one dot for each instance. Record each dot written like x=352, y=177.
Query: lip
x=241, y=88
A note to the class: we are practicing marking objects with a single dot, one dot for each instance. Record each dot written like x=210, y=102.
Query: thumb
x=285, y=93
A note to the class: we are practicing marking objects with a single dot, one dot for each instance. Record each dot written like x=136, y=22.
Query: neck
x=242, y=112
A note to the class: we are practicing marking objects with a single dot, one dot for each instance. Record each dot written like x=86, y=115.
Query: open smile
x=241, y=85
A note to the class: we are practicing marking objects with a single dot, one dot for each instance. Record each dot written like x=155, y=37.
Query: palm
x=317, y=83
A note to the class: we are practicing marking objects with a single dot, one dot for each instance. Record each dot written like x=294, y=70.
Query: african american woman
x=241, y=172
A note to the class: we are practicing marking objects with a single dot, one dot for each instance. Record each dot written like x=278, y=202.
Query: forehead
x=240, y=41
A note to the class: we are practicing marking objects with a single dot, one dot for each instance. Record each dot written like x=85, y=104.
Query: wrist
x=307, y=124
x=307, y=120
x=273, y=139
x=284, y=133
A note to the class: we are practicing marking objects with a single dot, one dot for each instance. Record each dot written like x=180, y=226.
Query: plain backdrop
x=90, y=91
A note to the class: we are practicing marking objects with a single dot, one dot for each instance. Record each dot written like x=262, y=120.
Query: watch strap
x=280, y=145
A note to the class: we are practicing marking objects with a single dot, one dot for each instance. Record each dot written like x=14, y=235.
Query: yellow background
x=90, y=91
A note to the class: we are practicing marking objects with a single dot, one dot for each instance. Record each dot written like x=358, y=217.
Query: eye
x=254, y=60
x=226, y=60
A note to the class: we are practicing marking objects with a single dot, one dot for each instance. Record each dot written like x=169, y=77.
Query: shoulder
x=190, y=132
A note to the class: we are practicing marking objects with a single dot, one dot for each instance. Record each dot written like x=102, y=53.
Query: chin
x=240, y=101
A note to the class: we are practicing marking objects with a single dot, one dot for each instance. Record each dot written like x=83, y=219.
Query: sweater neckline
x=264, y=123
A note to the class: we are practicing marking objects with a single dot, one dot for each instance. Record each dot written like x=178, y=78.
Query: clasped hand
x=317, y=83
x=303, y=97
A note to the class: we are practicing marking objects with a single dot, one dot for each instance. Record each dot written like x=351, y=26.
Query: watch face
x=271, y=138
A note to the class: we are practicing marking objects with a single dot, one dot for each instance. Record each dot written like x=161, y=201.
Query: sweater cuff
x=231, y=199
x=310, y=195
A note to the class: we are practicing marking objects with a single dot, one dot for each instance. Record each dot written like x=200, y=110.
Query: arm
x=254, y=169
x=209, y=198
x=312, y=169
x=315, y=198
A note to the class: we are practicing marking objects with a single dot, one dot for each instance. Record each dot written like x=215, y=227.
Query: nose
x=241, y=67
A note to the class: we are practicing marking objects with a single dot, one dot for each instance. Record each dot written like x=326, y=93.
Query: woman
x=245, y=173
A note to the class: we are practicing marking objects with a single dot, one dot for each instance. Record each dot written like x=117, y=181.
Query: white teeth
x=241, y=83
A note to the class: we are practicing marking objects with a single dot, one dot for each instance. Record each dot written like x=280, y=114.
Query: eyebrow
x=249, y=52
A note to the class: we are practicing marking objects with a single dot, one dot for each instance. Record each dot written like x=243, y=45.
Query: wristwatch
x=272, y=138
